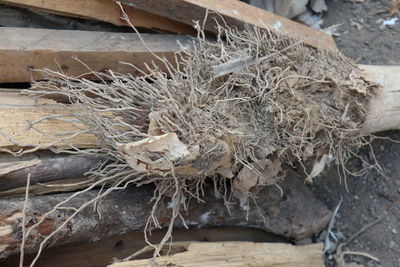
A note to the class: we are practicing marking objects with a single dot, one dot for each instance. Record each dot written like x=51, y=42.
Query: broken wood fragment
x=235, y=254
x=50, y=169
x=24, y=49
x=128, y=210
x=233, y=13
x=103, y=10
x=18, y=112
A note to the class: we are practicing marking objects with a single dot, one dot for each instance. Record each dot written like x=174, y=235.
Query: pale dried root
x=244, y=101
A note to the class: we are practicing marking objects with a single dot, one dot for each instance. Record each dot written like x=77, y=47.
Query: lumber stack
x=24, y=51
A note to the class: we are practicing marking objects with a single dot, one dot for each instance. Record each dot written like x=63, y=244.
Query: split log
x=234, y=13
x=103, y=10
x=238, y=254
x=296, y=214
x=24, y=49
x=17, y=112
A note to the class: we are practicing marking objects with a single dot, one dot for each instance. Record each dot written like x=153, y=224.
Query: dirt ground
x=372, y=195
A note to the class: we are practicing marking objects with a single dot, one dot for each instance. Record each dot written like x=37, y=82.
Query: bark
x=49, y=169
x=296, y=214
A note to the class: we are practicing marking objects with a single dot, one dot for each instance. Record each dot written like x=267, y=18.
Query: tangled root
x=249, y=97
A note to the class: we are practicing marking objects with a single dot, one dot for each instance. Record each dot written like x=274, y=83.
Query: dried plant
x=245, y=99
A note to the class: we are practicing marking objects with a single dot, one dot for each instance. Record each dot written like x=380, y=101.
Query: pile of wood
x=54, y=177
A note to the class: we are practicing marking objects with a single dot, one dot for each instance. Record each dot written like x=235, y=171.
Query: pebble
x=391, y=244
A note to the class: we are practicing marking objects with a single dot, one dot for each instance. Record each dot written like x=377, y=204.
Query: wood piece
x=64, y=185
x=102, y=252
x=235, y=13
x=296, y=214
x=17, y=112
x=50, y=169
x=238, y=254
x=103, y=10
x=384, y=108
x=22, y=49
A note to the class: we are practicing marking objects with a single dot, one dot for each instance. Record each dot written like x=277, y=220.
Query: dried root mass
x=249, y=96
x=249, y=100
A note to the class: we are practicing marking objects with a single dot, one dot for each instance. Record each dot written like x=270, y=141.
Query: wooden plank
x=22, y=49
x=103, y=10
x=17, y=112
x=235, y=13
x=236, y=254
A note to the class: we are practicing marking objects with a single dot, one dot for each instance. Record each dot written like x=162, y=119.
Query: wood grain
x=17, y=112
x=23, y=49
x=237, y=254
x=384, y=109
x=234, y=13
x=103, y=10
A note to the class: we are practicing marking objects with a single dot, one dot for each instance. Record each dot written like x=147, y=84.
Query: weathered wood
x=17, y=112
x=103, y=10
x=236, y=254
x=23, y=49
x=384, y=109
x=234, y=13
x=49, y=169
x=128, y=210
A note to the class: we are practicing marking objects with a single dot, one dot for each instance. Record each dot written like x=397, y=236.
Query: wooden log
x=236, y=254
x=103, y=10
x=234, y=13
x=128, y=210
x=16, y=112
x=24, y=49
